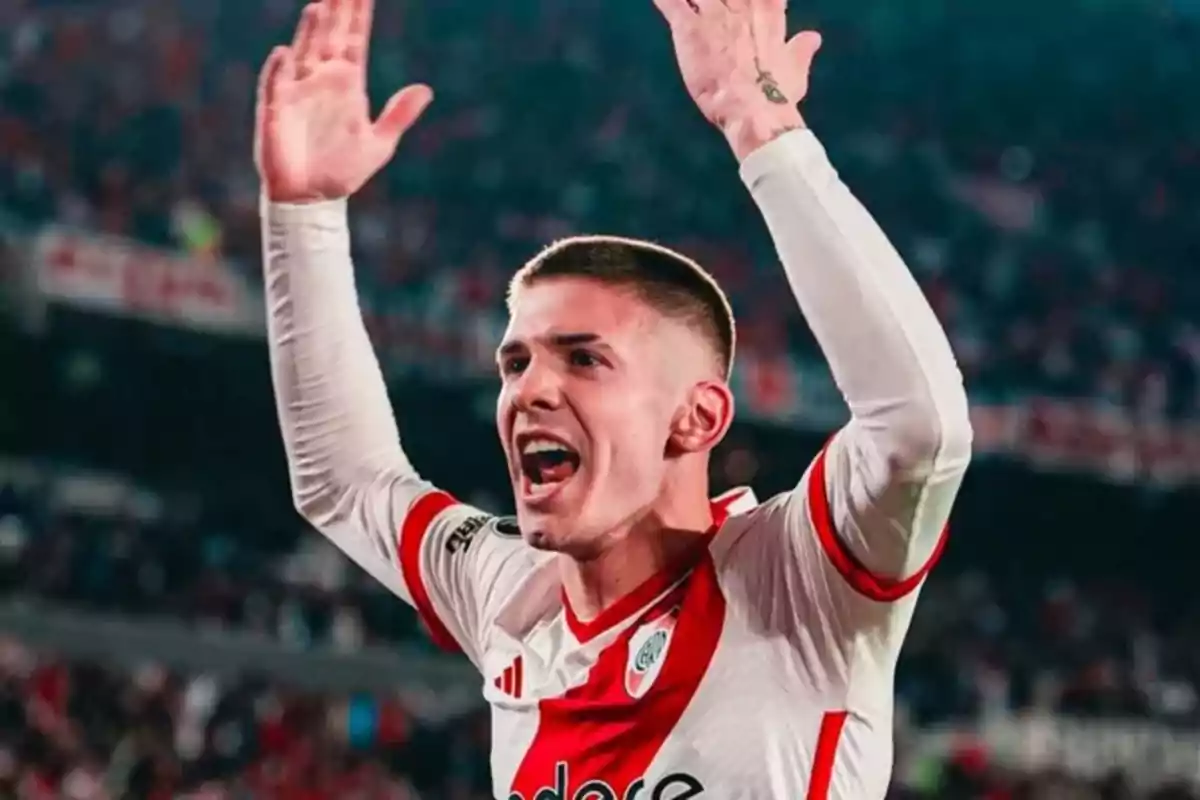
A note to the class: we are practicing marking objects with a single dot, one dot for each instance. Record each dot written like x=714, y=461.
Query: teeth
x=543, y=446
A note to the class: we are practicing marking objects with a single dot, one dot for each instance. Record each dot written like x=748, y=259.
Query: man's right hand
x=314, y=139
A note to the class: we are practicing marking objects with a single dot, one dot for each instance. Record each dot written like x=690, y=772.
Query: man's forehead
x=550, y=307
x=558, y=311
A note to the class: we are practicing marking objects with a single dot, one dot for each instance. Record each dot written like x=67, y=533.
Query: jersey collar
x=730, y=503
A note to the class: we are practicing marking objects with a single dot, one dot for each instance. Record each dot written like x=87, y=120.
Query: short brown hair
x=671, y=283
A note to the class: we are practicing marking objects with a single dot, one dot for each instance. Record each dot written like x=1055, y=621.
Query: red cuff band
x=861, y=579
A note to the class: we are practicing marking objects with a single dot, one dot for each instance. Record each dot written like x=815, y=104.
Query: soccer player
x=637, y=639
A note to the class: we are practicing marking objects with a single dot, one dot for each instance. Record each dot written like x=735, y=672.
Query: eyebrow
x=559, y=340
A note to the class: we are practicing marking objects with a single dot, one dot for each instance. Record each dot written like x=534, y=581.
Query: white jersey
x=762, y=672
x=765, y=671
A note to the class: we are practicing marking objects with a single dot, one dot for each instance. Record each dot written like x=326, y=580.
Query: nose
x=539, y=388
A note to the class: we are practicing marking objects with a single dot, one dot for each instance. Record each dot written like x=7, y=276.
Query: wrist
x=296, y=198
x=749, y=132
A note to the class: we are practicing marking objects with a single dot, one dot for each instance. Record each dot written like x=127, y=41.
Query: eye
x=584, y=359
x=513, y=365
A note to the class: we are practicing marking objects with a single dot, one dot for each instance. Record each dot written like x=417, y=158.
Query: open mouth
x=546, y=464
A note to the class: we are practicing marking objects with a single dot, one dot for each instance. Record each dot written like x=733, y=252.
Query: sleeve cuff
x=322, y=212
x=798, y=149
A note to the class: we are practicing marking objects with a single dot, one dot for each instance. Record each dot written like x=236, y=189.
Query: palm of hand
x=735, y=58
x=314, y=137
x=318, y=140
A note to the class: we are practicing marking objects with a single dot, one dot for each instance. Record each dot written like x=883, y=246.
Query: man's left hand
x=745, y=75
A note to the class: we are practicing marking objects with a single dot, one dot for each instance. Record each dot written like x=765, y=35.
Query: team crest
x=647, y=654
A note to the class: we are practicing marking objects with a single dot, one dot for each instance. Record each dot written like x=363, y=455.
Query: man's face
x=586, y=408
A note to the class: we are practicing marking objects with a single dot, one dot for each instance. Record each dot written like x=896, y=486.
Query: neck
x=663, y=538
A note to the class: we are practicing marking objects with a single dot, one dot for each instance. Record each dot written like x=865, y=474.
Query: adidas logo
x=512, y=679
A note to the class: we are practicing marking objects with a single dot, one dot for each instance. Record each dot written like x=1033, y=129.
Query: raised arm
x=316, y=145
x=891, y=475
x=880, y=493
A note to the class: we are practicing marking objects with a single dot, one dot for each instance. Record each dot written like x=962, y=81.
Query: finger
x=358, y=43
x=340, y=14
x=272, y=75
x=677, y=12
x=707, y=8
x=304, y=45
x=401, y=111
x=802, y=49
x=326, y=32
x=275, y=71
x=770, y=19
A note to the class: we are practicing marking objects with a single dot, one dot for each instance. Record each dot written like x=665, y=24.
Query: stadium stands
x=981, y=642
x=81, y=731
x=1036, y=166
x=1048, y=223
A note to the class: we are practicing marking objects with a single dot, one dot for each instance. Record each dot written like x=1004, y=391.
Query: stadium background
x=169, y=628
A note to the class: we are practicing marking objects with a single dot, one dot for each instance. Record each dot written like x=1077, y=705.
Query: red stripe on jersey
x=597, y=731
x=412, y=533
x=621, y=610
x=652, y=587
x=826, y=754
x=875, y=587
x=518, y=676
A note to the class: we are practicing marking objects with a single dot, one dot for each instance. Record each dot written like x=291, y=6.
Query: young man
x=636, y=639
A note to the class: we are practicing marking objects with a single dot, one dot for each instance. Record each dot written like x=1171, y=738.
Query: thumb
x=802, y=49
x=401, y=111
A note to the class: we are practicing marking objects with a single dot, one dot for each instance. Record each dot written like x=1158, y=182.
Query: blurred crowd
x=1047, y=203
x=982, y=644
x=83, y=731
x=79, y=731
x=206, y=576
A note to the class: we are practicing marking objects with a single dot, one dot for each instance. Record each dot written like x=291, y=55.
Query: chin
x=553, y=532
x=540, y=540
x=541, y=530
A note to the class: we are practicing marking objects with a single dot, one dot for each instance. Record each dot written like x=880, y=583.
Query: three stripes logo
x=512, y=679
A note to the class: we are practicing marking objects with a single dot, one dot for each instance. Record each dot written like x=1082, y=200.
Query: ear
x=703, y=419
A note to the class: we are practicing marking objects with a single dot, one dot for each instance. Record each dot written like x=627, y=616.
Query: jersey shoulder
x=737, y=513
x=782, y=571
x=463, y=565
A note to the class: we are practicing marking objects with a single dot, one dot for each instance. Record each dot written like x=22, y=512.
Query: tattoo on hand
x=770, y=88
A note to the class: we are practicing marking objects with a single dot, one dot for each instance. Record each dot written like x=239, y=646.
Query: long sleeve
x=891, y=475
x=338, y=430
x=349, y=475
